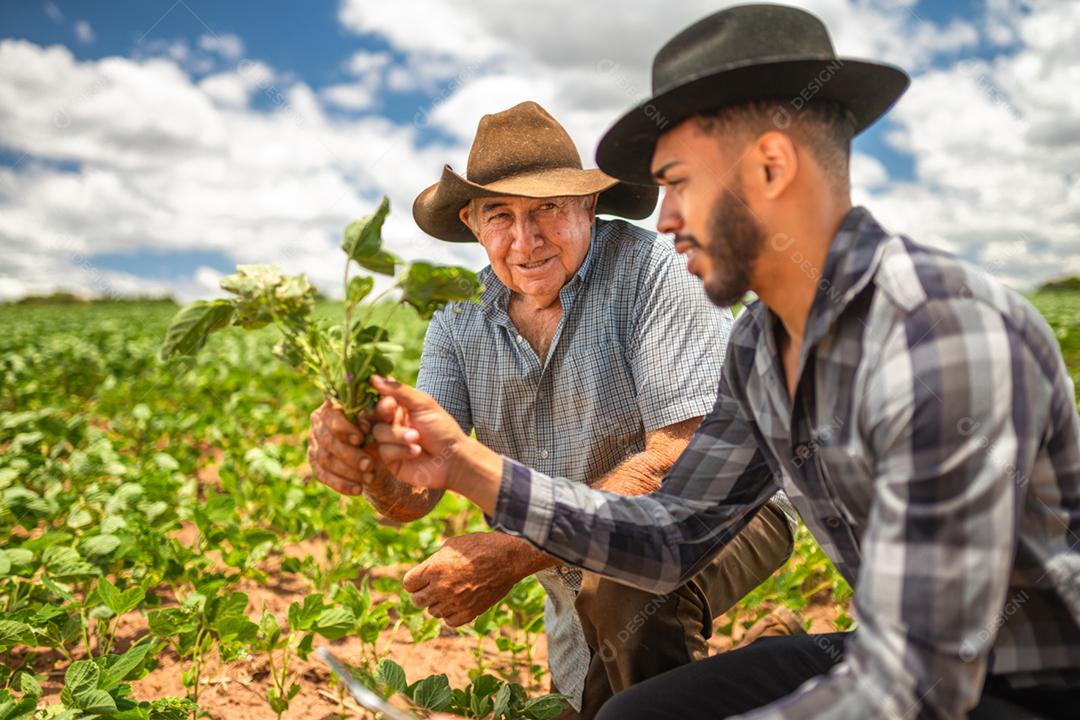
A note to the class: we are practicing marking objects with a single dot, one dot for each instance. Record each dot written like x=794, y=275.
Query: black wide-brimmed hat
x=744, y=54
x=522, y=152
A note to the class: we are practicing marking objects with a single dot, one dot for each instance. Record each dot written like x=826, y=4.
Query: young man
x=918, y=414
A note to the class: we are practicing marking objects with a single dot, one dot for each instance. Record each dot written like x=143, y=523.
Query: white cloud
x=84, y=32
x=235, y=88
x=996, y=149
x=168, y=163
x=357, y=96
x=980, y=134
x=362, y=62
x=170, y=155
x=227, y=46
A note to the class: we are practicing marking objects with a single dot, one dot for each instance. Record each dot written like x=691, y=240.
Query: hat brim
x=436, y=209
x=867, y=89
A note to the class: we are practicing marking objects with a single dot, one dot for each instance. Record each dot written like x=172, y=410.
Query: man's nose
x=526, y=233
x=670, y=220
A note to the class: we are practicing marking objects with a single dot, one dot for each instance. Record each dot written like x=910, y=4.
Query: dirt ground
x=237, y=691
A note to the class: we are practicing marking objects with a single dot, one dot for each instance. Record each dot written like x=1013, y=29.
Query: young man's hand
x=423, y=445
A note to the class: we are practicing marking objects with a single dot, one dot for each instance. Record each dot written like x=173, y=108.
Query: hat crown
x=519, y=141
x=741, y=35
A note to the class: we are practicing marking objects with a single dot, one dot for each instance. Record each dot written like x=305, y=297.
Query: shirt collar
x=849, y=266
x=496, y=296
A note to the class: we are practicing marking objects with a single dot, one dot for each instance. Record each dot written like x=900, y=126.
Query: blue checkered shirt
x=932, y=448
x=638, y=348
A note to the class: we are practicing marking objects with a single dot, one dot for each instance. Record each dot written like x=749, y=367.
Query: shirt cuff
x=525, y=505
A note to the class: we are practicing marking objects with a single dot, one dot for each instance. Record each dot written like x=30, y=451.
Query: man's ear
x=463, y=214
x=777, y=163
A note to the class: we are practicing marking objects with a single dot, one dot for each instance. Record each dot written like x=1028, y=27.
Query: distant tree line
x=69, y=298
x=1068, y=284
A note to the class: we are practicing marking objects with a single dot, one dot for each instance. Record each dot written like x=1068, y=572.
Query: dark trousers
x=751, y=677
x=634, y=635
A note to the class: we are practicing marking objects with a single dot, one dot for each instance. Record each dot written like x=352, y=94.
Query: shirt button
x=802, y=449
x=543, y=454
x=563, y=569
x=832, y=521
x=520, y=339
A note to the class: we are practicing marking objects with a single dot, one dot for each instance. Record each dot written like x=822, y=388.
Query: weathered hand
x=335, y=453
x=467, y=575
x=416, y=437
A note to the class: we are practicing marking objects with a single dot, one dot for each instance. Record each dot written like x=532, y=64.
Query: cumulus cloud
x=230, y=47
x=165, y=150
x=996, y=147
x=994, y=143
x=164, y=162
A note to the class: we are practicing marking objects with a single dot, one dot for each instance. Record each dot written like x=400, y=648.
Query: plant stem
x=348, y=400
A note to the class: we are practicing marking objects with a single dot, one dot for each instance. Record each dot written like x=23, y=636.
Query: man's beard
x=734, y=243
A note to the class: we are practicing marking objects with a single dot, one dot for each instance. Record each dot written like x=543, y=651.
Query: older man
x=592, y=355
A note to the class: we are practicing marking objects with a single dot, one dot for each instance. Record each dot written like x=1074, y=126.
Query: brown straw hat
x=522, y=152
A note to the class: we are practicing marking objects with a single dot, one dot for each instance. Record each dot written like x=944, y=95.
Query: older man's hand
x=335, y=451
x=467, y=575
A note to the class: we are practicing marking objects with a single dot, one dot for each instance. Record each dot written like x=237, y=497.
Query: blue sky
x=178, y=89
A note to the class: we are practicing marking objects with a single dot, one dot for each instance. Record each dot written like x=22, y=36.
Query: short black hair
x=824, y=127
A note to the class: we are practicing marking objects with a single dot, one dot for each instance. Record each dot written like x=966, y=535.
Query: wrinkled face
x=705, y=208
x=534, y=245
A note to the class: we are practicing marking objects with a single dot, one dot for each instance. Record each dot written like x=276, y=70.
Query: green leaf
x=192, y=325
x=433, y=693
x=171, y=621
x=122, y=666
x=99, y=546
x=97, y=702
x=18, y=557
x=502, y=703
x=82, y=676
x=428, y=287
x=334, y=623
x=363, y=237
x=392, y=675
x=545, y=707
x=66, y=562
x=381, y=262
x=303, y=617
x=117, y=601
x=359, y=288
x=14, y=633
x=269, y=630
x=236, y=629
x=171, y=708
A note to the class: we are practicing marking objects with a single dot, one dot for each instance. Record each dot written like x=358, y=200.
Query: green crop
x=340, y=360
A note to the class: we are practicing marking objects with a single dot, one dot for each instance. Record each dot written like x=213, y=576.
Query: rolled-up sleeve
x=655, y=541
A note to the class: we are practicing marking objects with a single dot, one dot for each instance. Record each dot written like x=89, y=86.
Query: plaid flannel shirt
x=932, y=448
